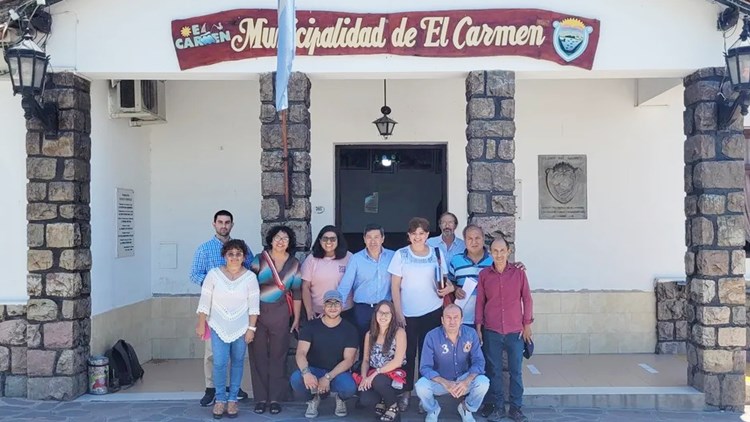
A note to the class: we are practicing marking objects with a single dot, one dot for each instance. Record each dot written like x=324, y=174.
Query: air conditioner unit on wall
x=141, y=101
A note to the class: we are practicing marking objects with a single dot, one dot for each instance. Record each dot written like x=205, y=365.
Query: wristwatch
x=328, y=376
x=377, y=371
x=305, y=371
x=251, y=328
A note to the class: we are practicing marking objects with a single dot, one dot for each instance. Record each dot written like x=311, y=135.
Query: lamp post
x=27, y=64
x=385, y=124
x=738, y=67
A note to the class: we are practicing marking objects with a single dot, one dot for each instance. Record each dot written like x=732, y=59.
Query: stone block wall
x=13, y=338
x=671, y=323
x=273, y=210
x=490, y=150
x=59, y=241
x=714, y=235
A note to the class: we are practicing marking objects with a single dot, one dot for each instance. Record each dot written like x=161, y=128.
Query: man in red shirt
x=504, y=314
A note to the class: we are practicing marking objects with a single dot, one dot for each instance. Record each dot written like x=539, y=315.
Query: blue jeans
x=223, y=354
x=427, y=390
x=495, y=344
x=343, y=384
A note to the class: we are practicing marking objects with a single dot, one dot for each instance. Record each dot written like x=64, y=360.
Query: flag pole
x=285, y=159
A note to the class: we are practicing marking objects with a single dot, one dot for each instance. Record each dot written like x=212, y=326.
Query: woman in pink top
x=323, y=269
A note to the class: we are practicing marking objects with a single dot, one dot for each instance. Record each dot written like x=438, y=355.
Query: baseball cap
x=528, y=349
x=333, y=295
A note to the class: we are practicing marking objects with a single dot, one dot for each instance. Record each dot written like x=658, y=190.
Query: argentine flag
x=285, y=51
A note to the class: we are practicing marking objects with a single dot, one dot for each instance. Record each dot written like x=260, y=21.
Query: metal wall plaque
x=562, y=187
x=125, y=223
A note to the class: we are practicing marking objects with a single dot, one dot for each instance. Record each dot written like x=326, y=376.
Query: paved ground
x=184, y=411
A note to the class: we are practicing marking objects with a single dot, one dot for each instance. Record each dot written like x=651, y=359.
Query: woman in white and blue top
x=416, y=272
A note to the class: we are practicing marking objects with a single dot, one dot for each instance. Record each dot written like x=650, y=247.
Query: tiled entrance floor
x=620, y=370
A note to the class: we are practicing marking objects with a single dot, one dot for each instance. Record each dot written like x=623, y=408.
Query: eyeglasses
x=328, y=239
x=332, y=304
x=281, y=239
x=384, y=313
x=235, y=254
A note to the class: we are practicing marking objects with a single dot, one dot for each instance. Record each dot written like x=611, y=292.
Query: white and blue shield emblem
x=571, y=37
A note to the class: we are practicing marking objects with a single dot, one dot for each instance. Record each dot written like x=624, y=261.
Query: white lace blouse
x=228, y=303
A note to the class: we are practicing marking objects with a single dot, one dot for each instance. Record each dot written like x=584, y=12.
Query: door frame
x=337, y=175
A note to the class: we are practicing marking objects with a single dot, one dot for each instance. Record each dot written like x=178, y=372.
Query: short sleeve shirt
x=327, y=344
x=419, y=281
x=324, y=274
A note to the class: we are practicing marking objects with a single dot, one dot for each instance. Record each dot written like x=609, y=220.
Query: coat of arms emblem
x=562, y=182
x=571, y=37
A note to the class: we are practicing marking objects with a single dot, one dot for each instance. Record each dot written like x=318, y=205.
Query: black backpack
x=124, y=367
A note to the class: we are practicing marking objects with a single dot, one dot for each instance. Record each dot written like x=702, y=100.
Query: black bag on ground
x=123, y=364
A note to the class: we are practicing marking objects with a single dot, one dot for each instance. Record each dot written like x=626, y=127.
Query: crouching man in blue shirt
x=452, y=363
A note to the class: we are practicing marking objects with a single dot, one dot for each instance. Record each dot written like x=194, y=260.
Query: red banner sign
x=249, y=33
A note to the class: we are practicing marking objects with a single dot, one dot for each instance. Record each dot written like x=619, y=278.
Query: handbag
x=279, y=284
x=450, y=297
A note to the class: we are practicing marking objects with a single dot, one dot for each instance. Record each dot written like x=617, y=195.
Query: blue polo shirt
x=462, y=267
x=208, y=256
x=440, y=357
x=369, y=278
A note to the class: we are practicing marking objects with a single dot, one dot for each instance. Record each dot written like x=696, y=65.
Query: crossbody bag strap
x=277, y=279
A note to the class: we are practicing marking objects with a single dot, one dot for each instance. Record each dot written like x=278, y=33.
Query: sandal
x=232, y=410
x=260, y=408
x=275, y=408
x=391, y=415
x=218, y=411
x=380, y=409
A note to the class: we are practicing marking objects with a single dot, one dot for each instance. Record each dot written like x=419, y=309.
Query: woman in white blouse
x=228, y=308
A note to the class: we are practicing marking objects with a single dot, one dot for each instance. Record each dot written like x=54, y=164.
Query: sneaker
x=340, y=407
x=432, y=416
x=466, y=415
x=516, y=414
x=488, y=409
x=208, y=398
x=497, y=415
x=312, y=407
x=241, y=395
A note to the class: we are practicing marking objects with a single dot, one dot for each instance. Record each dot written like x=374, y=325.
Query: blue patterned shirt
x=370, y=279
x=440, y=357
x=208, y=256
x=462, y=267
x=457, y=247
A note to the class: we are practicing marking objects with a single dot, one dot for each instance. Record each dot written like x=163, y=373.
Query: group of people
x=451, y=302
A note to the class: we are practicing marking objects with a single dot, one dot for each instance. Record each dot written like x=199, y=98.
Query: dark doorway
x=389, y=186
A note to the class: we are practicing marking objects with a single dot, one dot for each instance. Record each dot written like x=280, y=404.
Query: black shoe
x=487, y=409
x=516, y=414
x=241, y=395
x=498, y=415
x=208, y=398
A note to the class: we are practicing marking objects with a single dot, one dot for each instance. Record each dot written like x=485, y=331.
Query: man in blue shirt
x=452, y=363
x=367, y=276
x=448, y=243
x=466, y=266
x=207, y=257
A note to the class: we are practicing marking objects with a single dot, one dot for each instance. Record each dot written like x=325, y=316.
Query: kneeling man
x=452, y=363
x=326, y=351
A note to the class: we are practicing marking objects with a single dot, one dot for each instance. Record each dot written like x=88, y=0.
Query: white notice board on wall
x=125, y=223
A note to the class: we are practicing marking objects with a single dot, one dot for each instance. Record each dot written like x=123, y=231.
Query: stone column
x=490, y=110
x=715, y=260
x=13, y=350
x=273, y=211
x=59, y=240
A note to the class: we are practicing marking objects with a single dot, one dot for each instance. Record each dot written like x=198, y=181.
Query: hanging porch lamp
x=385, y=124
x=738, y=68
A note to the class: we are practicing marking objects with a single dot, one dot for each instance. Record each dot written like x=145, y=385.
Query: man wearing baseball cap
x=326, y=350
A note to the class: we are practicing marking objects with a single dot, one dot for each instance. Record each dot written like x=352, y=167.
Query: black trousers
x=381, y=390
x=416, y=330
x=268, y=353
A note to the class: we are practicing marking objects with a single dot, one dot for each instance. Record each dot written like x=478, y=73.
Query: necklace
x=232, y=275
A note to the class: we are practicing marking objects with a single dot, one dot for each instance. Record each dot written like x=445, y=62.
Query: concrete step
x=659, y=398
x=648, y=398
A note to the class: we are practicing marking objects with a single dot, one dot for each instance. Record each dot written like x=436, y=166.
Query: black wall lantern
x=385, y=124
x=27, y=64
x=738, y=67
